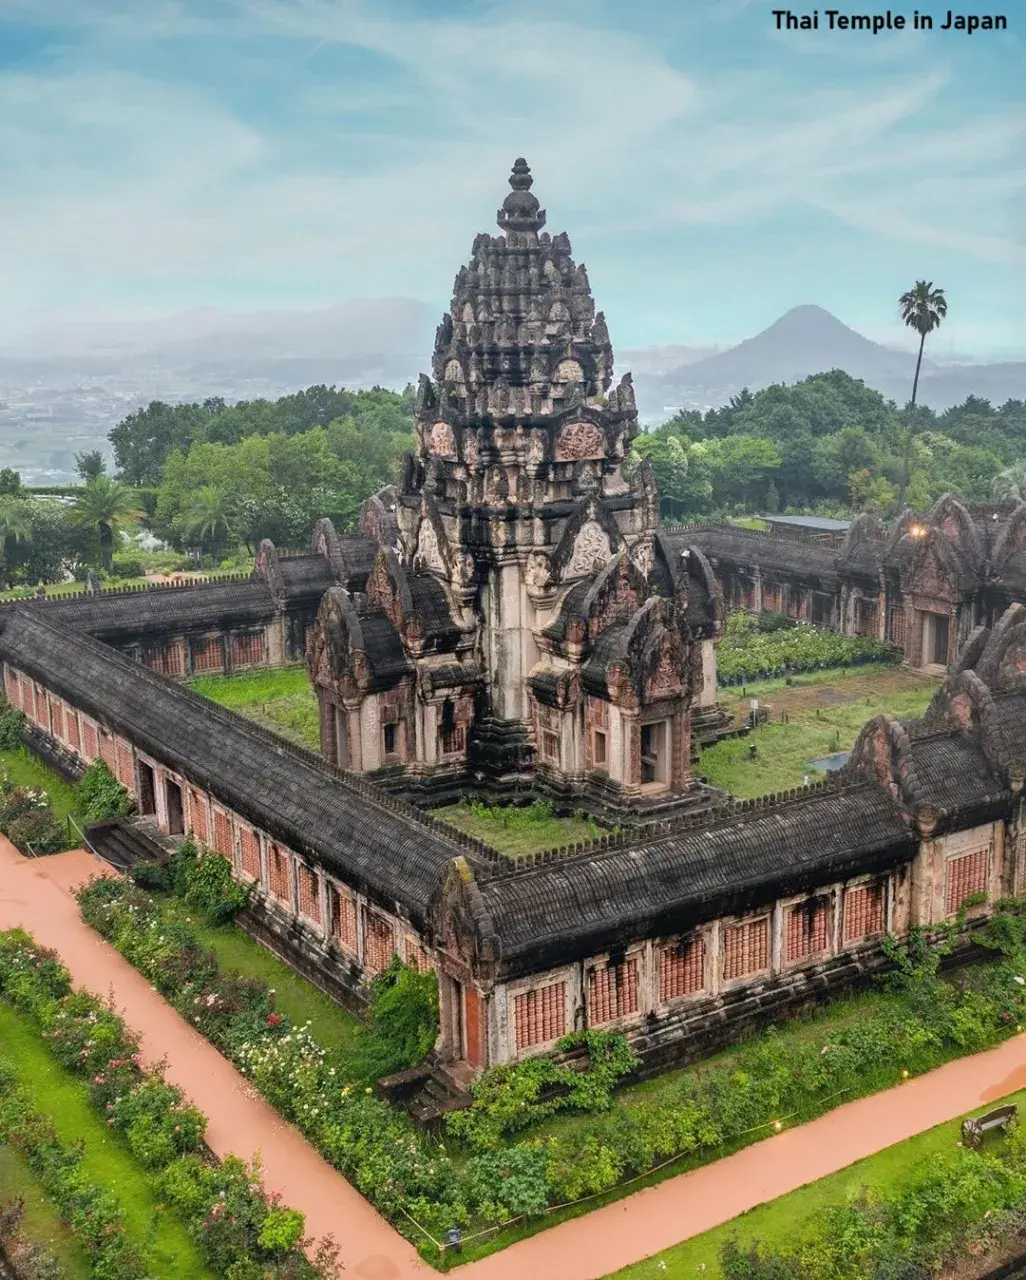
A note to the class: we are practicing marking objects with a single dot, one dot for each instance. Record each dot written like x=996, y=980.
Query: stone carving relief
x=580, y=440
x=591, y=550
x=568, y=371
x=538, y=571
x=643, y=556
x=428, y=551
x=441, y=441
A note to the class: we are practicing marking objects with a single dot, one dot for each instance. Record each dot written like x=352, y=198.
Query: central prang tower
x=574, y=639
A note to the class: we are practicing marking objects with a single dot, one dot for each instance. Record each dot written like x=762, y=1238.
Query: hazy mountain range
x=807, y=340
x=64, y=386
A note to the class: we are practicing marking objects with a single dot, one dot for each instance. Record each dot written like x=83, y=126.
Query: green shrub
x=403, y=1018
x=755, y=648
x=204, y=880
x=128, y=564
x=11, y=723
x=27, y=819
x=101, y=796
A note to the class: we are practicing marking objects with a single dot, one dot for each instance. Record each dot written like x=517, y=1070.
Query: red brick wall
x=223, y=833
x=208, y=654
x=108, y=752
x=540, y=1016
x=863, y=912
x=344, y=921
x=250, y=848
x=248, y=650
x=71, y=725
x=378, y=942
x=415, y=956
x=681, y=969
x=56, y=718
x=807, y=929
x=168, y=659
x=745, y=948
x=198, y=816
x=126, y=765
x=612, y=992
x=309, y=894
x=278, y=873
x=965, y=875
x=91, y=747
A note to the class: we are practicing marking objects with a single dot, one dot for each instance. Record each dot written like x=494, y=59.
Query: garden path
x=38, y=896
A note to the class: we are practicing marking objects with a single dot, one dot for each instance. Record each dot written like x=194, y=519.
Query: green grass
x=41, y=1222
x=826, y=712
x=302, y=1002
x=515, y=831
x=27, y=770
x=280, y=698
x=781, y=1220
x=107, y=1162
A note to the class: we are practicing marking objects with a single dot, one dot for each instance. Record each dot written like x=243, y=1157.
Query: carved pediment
x=441, y=440
x=580, y=440
x=591, y=550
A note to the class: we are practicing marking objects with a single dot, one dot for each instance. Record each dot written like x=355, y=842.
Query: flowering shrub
x=29, y=1258
x=28, y=820
x=747, y=652
x=101, y=795
x=229, y=1210
x=91, y=1212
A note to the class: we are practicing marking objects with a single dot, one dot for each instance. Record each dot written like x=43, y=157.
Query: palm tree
x=922, y=308
x=1010, y=485
x=209, y=514
x=105, y=504
x=15, y=526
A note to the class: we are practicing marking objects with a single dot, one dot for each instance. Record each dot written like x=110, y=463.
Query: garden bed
x=159, y=1179
x=758, y=647
x=40, y=1222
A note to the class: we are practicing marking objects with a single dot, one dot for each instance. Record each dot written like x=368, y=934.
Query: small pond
x=832, y=762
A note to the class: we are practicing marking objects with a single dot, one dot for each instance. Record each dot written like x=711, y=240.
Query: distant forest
x=219, y=477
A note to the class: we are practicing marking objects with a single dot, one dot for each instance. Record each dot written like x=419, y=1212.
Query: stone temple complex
x=523, y=622
x=510, y=618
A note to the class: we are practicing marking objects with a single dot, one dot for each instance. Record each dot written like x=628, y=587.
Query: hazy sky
x=157, y=155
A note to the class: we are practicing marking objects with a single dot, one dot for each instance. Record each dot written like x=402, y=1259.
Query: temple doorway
x=654, y=753
x=147, y=794
x=936, y=629
x=175, y=812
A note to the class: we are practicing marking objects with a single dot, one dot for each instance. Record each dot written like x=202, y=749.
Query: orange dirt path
x=37, y=895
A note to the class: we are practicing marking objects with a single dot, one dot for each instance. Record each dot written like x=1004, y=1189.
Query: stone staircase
x=124, y=844
x=427, y=1093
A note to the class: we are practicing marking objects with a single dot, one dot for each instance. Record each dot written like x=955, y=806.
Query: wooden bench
x=975, y=1127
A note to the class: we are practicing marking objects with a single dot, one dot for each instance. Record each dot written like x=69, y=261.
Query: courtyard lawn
x=108, y=1162
x=27, y=770
x=280, y=698
x=300, y=1000
x=781, y=1220
x=41, y=1223
x=516, y=831
x=825, y=712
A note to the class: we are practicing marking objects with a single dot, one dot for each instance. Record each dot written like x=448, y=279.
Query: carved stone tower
x=579, y=632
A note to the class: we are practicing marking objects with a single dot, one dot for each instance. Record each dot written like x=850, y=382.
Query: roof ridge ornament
x=520, y=216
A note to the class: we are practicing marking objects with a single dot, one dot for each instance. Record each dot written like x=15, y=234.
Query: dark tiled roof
x=383, y=647
x=372, y=842
x=952, y=772
x=306, y=575
x=161, y=609
x=609, y=645
x=430, y=605
x=1010, y=722
x=584, y=904
x=746, y=549
x=358, y=552
x=571, y=607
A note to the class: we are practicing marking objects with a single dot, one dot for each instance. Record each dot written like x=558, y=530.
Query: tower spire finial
x=520, y=217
